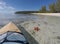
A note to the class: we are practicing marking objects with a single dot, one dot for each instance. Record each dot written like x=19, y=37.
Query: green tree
x=58, y=5
x=43, y=10
x=52, y=8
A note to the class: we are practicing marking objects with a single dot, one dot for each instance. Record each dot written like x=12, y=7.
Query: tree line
x=53, y=8
x=26, y=12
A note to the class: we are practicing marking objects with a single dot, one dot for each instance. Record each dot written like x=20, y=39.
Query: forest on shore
x=52, y=8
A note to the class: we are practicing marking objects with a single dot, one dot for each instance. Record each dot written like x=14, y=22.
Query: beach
x=49, y=14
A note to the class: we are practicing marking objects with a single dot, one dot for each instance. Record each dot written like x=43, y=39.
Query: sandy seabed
x=49, y=32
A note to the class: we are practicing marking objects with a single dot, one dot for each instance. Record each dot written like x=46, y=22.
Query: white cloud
x=4, y=8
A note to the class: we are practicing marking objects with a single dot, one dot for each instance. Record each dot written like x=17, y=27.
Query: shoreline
x=48, y=14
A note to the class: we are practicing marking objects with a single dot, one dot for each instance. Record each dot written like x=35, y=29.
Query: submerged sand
x=49, y=32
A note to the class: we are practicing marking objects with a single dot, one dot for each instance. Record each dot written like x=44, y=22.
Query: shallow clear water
x=11, y=43
x=52, y=21
x=17, y=18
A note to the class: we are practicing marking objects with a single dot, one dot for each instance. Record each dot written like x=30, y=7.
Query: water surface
x=17, y=18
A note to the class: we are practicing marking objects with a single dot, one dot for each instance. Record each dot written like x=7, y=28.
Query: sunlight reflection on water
x=16, y=18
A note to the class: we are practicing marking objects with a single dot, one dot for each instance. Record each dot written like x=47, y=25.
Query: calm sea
x=16, y=18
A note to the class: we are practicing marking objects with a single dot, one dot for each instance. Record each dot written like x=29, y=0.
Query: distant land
x=26, y=12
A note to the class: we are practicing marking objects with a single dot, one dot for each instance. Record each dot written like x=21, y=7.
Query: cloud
x=5, y=8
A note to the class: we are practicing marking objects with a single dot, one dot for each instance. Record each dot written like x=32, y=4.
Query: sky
x=10, y=6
